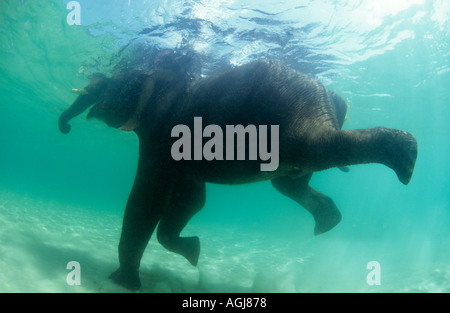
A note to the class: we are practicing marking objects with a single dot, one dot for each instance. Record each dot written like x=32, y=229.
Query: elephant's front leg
x=188, y=197
x=148, y=199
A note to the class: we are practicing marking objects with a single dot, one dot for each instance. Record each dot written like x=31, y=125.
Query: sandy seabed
x=38, y=239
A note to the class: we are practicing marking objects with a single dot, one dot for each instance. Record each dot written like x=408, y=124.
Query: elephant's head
x=114, y=100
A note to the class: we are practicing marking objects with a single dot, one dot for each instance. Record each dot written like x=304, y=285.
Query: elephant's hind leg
x=394, y=148
x=325, y=212
x=188, y=198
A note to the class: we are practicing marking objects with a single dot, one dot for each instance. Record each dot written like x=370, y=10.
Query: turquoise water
x=62, y=196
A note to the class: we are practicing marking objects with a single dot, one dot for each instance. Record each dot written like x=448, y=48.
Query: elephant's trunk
x=79, y=106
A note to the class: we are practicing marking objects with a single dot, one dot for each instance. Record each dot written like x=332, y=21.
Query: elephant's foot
x=327, y=217
x=127, y=279
x=191, y=249
x=404, y=155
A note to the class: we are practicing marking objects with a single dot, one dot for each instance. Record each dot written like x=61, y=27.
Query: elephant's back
x=262, y=92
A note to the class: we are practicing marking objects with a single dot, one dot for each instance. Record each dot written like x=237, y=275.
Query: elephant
x=263, y=92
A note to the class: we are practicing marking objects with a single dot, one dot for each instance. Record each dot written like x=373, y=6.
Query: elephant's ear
x=146, y=94
x=131, y=124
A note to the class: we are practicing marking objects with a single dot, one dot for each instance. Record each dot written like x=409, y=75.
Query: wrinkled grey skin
x=260, y=93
